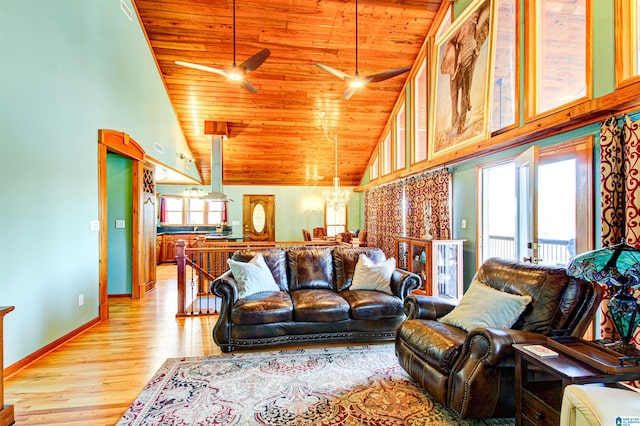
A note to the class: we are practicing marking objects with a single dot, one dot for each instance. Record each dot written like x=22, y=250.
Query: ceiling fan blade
x=349, y=92
x=333, y=71
x=386, y=75
x=201, y=68
x=255, y=61
x=246, y=85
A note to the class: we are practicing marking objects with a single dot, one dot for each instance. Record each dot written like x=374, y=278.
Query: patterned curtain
x=383, y=216
x=428, y=202
x=620, y=180
x=429, y=205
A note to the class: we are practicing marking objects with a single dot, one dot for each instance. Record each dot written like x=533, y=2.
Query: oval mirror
x=259, y=218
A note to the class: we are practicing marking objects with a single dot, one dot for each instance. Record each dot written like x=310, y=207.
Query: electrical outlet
x=95, y=225
x=120, y=223
x=80, y=299
x=464, y=224
x=235, y=222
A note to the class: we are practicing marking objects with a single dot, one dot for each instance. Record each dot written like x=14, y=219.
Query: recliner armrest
x=403, y=283
x=427, y=307
x=498, y=341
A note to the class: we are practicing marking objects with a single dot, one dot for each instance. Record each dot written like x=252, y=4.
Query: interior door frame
x=119, y=143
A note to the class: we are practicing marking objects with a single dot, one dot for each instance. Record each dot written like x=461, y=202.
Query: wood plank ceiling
x=276, y=136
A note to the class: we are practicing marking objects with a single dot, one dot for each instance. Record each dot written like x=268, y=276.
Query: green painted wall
x=297, y=207
x=119, y=204
x=69, y=68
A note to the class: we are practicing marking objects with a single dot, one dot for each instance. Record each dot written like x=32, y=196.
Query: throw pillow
x=484, y=306
x=373, y=276
x=253, y=276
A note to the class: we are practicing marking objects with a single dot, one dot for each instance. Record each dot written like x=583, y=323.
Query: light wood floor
x=92, y=379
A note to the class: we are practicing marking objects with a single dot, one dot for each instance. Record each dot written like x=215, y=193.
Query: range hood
x=216, y=193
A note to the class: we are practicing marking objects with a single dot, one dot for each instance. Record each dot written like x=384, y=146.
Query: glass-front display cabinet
x=437, y=262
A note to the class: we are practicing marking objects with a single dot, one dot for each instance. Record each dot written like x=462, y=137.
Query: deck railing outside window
x=550, y=251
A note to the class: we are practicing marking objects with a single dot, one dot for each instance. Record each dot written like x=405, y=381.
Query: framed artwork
x=462, y=67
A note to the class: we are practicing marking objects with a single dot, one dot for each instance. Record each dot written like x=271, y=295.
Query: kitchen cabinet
x=169, y=244
x=159, y=257
x=437, y=262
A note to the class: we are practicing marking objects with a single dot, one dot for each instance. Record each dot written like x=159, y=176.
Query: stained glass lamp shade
x=618, y=267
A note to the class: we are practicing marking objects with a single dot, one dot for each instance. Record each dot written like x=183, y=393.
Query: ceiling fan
x=356, y=82
x=236, y=73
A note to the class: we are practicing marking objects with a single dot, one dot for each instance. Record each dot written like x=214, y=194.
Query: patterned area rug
x=361, y=385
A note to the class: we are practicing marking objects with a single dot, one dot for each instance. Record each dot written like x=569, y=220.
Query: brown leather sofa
x=314, y=304
x=473, y=372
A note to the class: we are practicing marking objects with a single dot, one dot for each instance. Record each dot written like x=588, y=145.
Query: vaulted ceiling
x=275, y=136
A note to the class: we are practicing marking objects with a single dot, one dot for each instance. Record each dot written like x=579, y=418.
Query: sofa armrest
x=403, y=283
x=226, y=289
x=427, y=307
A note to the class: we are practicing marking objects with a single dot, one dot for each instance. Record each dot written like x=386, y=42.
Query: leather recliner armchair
x=473, y=372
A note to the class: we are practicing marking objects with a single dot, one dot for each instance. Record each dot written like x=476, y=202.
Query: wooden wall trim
x=121, y=143
x=19, y=365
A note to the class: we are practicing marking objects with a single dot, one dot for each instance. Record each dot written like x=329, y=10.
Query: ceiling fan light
x=234, y=75
x=356, y=84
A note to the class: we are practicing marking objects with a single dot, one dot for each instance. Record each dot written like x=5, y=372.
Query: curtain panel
x=619, y=183
x=426, y=211
x=428, y=198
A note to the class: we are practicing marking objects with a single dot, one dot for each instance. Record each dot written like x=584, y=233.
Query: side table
x=540, y=382
x=6, y=411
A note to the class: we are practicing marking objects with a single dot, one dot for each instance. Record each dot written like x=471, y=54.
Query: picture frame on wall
x=462, y=71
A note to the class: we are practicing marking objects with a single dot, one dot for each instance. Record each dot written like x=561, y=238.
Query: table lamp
x=617, y=267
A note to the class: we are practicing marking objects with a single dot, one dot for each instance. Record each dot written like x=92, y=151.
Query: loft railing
x=199, y=266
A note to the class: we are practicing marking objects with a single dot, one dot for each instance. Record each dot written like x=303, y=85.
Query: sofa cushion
x=437, y=344
x=263, y=308
x=310, y=268
x=319, y=305
x=276, y=260
x=253, y=276
x=372, y=304
x=484, y=306
x=545, y=284
x=370, y=275
x=345, y=260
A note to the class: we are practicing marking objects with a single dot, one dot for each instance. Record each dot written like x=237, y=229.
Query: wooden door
x=148, y=246
x=259, y=217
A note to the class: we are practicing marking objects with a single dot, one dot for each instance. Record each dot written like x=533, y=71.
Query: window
x=373, y=169
x=401, y=140
x=386, y=155
x=627, y=36
x=336, y=220
x=217, y=212
x=173, y=211
x=557, y=54
x=505, y=68
x=420, y=116
x=179, y=210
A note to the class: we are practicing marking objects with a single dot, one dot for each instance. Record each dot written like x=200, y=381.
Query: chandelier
x=335, y=198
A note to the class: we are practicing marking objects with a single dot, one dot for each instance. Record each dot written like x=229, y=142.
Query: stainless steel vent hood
x=216, y=193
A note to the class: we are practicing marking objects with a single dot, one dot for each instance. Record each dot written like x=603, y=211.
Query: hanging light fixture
x=335, y=198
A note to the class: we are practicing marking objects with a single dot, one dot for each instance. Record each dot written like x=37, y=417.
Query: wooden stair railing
x=199, y=266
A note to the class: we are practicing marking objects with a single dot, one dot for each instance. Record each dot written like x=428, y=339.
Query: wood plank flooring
x=92, y=379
